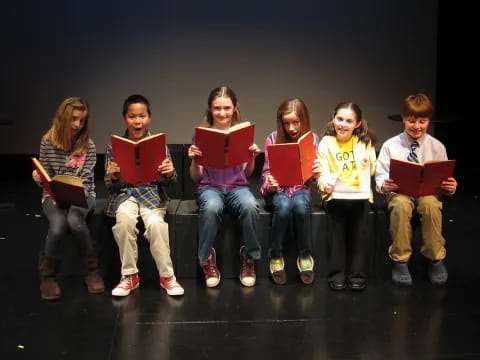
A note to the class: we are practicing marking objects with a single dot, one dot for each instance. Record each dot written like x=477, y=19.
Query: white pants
x=156, y=232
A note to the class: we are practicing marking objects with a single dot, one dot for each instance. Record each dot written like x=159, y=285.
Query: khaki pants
x=156, y=232
x=429, y=208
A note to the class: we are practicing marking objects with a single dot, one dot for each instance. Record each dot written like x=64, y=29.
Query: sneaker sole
x=177, y=292
x=213, y=284
x=126, y=292
x=248, y=284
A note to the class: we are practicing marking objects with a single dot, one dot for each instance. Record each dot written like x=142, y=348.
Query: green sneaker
x=277, y=264
x=305, y=263
x=305, y=267
x=277, y=270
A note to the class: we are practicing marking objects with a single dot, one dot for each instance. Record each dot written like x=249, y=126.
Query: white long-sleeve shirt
x=398, y=147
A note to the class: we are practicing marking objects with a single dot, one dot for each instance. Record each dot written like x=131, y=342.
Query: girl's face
x=344, y=122
x=78, y=121
x=291, y=125
x=137, y=121
x=416, y=127
x=222, y=110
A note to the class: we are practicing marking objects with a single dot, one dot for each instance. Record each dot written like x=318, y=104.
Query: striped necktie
x=412, y=155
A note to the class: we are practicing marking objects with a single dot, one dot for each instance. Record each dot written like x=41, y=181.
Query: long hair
x=226, y=92
x=300, y=110
x=60, y=133
x=363, y=132
x=417, y=105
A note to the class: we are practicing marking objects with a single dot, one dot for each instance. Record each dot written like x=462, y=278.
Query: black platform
x=264, y=322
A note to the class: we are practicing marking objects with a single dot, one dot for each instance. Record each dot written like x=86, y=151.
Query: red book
x=291, y=163
x=224, y=149
x=139, y=160
x=62, y=188
x=414, y=179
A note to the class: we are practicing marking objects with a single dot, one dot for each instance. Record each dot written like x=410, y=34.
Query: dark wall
x=458, y=123
x=174, y=52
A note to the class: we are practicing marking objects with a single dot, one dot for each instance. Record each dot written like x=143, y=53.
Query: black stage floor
x=264, y=322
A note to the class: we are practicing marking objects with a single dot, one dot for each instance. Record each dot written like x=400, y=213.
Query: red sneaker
x=247, y=270
x=210, y=270
x=172, y=286
x=127, y=283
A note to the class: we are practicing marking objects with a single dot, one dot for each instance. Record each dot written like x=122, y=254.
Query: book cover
x=414, y=179
x=225, y=149
x=139, y=160
x=291, y=163
x=62, y=188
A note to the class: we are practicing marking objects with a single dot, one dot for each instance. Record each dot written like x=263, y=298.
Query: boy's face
x=137, y=121
x=415, y=127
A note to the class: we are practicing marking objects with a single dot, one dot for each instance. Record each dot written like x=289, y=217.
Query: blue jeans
x=61, y=220
x=239, y=202
x=296, y=208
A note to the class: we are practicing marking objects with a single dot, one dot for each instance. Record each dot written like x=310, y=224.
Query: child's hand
x=166, y=168
x=365, y=162
x=449, y=185
x=113, y=170
x=36, y=177
x=255, y=150
x=272, y=184
x=194, y=151
x=389, y=186
x=316, y=168
x=329, y=188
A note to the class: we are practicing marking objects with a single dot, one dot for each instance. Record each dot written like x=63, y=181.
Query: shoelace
x=125, y=283
x=248, y=268
x=210, y=269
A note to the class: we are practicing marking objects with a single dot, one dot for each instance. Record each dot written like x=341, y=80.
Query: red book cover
x=62, y=188
x=291, y=163
x=414, y=179
x=139, y=161
x=225, y=149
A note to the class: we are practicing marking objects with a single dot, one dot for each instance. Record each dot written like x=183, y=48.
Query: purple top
x=227, y=179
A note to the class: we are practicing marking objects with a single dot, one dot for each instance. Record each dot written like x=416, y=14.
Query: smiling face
x=415, y=126
x=222, y=110
x=137, y=121
x=291, y=125
x=344, y=122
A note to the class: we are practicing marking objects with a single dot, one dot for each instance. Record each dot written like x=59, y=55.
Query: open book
x=225, y=149
x=414, y=179
x=65, y=189
x=291, y=163
x=139, y=160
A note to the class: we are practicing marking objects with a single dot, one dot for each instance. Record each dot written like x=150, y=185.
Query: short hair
x=135, y=99
x=417, y=105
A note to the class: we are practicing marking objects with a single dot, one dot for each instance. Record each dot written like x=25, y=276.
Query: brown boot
x=49, y=287
x=93, y=279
